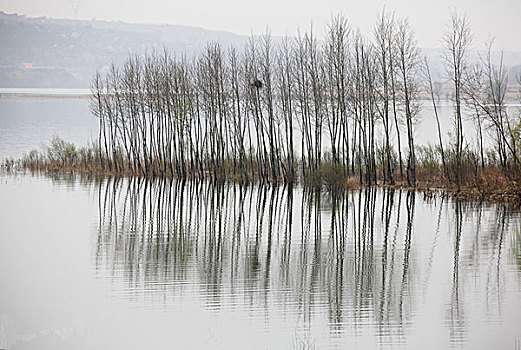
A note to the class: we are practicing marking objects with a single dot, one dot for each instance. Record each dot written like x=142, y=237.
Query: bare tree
x=286, y=91
x=430, y=89
x=336, y=51
x=383, y=33
x=408, y=62
x=457, y=40
x=486, y=90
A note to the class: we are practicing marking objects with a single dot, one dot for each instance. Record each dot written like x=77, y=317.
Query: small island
x=338, y=111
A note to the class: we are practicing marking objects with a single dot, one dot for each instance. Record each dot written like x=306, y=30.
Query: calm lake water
x=135, y=264
x=28, y=123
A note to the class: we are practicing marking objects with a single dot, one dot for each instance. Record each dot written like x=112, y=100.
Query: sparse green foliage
x=331, y=176
x=61, y=151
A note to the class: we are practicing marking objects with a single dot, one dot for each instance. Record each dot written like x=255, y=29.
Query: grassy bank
x=484, y=182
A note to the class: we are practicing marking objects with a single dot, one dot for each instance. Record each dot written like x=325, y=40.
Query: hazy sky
x=500, y=18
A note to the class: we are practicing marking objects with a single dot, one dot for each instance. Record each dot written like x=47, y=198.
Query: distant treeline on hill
x=63, y=53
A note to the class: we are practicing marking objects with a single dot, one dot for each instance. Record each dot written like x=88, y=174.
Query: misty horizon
x=497, y=19
x=311, y=25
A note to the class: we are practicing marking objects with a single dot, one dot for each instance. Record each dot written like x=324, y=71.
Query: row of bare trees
x=275, y=110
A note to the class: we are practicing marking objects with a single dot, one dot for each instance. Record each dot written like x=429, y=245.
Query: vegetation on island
x=340, y=111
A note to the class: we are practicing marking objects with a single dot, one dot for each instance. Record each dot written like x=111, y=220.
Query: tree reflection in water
x=360, y=258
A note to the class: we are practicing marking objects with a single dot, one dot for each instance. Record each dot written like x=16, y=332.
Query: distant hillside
x=61, y=53
x=57, y=53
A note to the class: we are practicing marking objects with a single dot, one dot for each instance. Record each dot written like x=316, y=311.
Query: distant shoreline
x=73, y=93
x=44, y=93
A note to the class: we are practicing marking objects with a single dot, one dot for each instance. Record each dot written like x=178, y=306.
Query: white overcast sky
x=499, y=18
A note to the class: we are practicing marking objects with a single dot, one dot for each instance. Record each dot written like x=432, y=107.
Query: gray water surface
x=140, y=264
x=28, y=123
